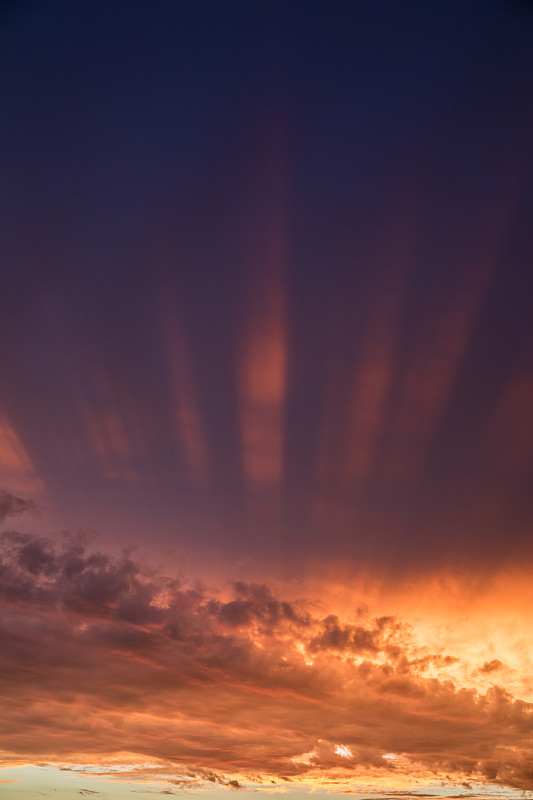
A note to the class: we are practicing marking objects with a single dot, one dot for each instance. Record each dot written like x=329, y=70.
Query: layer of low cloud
x=104, y=660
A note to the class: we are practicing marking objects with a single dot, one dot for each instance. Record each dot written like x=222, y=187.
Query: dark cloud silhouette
x=256, y=605
x=491, y=666
x=13, y=506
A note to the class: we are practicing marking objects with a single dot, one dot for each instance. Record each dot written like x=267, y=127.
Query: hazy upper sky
x=266, y=281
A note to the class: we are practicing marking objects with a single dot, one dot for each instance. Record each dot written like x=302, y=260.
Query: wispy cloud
x=262, y=381
x=16, y=468
x=187, y=417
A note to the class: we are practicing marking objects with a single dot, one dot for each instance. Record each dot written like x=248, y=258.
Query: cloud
x=491, y=666
x=12, y=506
x=109, y=662
x=357, y=638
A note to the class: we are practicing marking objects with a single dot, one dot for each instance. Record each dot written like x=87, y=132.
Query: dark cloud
x=256, y=605
x=491, y=666
x=355, y=638
x=13, y=506
x=385, y=634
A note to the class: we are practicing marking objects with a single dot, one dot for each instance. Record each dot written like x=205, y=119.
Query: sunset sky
x=266, y=399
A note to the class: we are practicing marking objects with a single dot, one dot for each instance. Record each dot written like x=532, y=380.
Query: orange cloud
x=107, y=660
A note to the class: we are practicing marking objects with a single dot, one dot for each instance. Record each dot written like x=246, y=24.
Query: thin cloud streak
x=375, y=377
x=263, y=350
x=188, y=420
x=262, y=388
x=446, y=329
x=16, y=468
x=108, y=429
x=428, y=380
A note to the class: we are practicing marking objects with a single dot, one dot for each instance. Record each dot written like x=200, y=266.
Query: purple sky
x=193, y=190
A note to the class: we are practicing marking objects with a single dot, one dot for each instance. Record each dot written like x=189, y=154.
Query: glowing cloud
x=344, y=751
x=204, y=686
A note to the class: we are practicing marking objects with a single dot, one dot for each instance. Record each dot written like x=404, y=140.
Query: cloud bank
x=104, y=660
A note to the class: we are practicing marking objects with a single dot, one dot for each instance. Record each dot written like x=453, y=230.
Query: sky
x=266, y=392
